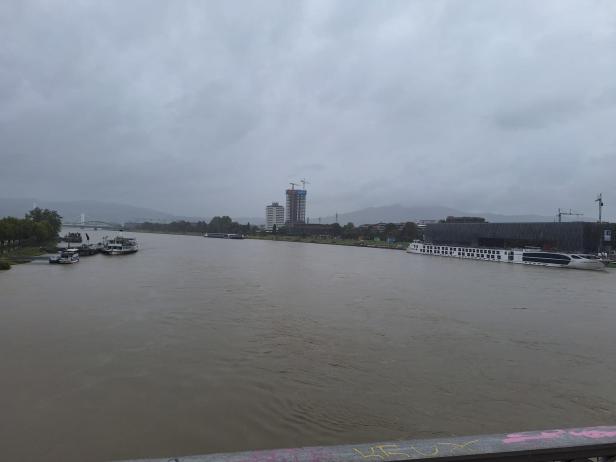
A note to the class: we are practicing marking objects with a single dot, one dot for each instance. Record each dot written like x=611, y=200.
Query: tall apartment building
x=296, y=206
x=274, y=215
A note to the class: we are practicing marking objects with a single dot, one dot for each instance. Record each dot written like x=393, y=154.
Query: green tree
x=409, y=232
x=11, y=229
x=391, y=231
x=52, y=217
x=38, y=226
x=349, y=231
x=222, y=224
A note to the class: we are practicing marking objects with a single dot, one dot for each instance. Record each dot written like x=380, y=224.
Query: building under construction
x=572, y=236
x=296, y=206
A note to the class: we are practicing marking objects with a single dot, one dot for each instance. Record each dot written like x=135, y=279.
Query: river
x=197, y=345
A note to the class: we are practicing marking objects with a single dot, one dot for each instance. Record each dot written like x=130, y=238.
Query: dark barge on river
x=224, y=235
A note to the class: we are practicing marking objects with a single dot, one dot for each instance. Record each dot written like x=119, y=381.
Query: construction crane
x=304, y=183
x=599, y=199
x=562, y=212
x=293, y=185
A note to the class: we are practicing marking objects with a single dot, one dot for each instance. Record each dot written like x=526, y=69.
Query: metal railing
x=573, y=444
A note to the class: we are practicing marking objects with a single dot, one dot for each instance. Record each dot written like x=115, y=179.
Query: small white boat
x=527, y=256
x=65, y=257
x=119, y=245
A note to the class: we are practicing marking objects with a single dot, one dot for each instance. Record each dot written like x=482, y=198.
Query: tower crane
x=304, y=183
x=562, y=212
x=293, y=185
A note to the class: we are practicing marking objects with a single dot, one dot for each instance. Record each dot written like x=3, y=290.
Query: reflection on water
x=200, y=345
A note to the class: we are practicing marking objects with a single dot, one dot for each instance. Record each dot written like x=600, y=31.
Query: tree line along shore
x=21, y=238
x=389, y=235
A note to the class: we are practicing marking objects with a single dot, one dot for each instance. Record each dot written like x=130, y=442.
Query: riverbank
x=307, y=240
x=23, y=254
x=332, y=241
x=173, y=233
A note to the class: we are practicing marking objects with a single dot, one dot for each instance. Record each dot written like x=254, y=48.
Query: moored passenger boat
x=119, y=245
x=87, y=249
x=72, y=238
x=65, y=257
x=521, y=256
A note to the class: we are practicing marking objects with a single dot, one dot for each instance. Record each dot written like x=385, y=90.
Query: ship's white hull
x=65, y=257
x=519, y=256
x=64, y=261
x=118, y=252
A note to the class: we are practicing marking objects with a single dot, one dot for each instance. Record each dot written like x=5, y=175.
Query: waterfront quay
x=208, y=346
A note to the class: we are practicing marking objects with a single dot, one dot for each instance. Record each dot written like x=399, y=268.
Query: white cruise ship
x=522, y=256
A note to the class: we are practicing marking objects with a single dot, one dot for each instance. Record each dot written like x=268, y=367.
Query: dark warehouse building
x=573, y=237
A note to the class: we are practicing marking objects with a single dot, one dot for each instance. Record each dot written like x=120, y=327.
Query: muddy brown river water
x=200, y=345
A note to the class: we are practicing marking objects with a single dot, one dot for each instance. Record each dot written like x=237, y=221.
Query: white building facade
x=274, y=215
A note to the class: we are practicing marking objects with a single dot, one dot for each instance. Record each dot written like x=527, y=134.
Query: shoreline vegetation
x=25, y=254
x=172, y=233
x=285, y=238
x=332, y=241
x=218, y=224
x=24, y=238
x=382, y=236
x=31, y=236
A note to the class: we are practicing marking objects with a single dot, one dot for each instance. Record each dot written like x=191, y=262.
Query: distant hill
x=241, y=220
x=252, y=220
x=100, y=211
x=399, y=213
x=94, y=210
x=121, y=213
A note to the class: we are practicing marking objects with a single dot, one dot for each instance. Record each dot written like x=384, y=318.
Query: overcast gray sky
x=206, y=107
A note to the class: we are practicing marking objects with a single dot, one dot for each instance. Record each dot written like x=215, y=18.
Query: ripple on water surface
x=198, y=345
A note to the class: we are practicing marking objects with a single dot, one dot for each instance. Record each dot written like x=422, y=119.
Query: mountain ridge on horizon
x=100, y=211
x=122, y=213
x=397, y=213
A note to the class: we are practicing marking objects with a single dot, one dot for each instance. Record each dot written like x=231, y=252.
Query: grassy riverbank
x=308, y=239
x=332, y=241
x=174, y=233
x=23, y=254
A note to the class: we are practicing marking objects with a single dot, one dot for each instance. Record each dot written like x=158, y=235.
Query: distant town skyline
x=211, y=107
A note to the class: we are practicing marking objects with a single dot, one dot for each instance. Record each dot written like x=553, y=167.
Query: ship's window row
x=460, y=249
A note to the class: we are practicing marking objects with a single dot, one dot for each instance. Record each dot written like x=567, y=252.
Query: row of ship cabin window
x=460, y=249
x=464, y=254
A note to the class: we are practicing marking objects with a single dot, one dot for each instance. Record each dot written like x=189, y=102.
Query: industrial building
x=274, y=216
x=572, y=236
x=313, y=229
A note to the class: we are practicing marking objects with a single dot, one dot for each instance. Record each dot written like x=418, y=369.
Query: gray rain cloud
x=201, y=108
